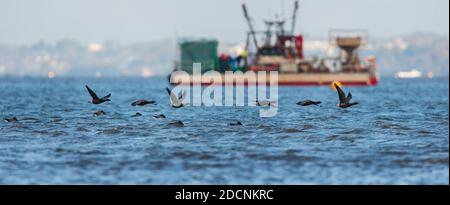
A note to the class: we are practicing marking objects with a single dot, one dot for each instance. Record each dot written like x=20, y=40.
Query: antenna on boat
x=249, y=21
x=269, y=25
x=294, y=17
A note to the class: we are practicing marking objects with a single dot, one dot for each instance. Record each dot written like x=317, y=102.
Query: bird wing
x=341, y=93
x=135, y=103
x=262, y=103
x=183, y=96
x=107, y=97
x=349, y=97
x=173, y=97
x=92, y=93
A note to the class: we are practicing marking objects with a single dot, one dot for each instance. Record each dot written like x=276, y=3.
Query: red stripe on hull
x=290, y=84
x=373, y=81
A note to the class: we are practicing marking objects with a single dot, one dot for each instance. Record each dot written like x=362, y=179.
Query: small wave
x=332, y=138
x=308, y=127
x=111, y=131
x=82, y=129
x=56, y=120
x=292, y=130
x=48, y=133
x=421, y=162
x=391, y=126
x=30, y=119
x=394, y=152
x=425, y=133
x=384, y=118
x=282, y=157
x=354, y=131
x=203, y=165
x=194, y=155
x=283, y=137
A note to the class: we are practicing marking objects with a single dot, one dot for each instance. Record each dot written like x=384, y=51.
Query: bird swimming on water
x=309, y=103
x=143, y=103
x=95, y=99
x=176, y=101
x=265, y=103
x=14, y=119
x=344, y=102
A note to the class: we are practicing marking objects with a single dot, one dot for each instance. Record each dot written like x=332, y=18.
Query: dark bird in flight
x=143, y=103
x=95, y=99
x=177, y=123
x=176, y=101
x=14, y=119
x=265, y=103
x=137, y=114
x=99, y=113
x=344, y=102
x=236, y=124
x=160, y=116
x=309, y=103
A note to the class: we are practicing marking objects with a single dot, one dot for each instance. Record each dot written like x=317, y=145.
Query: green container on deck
x=199, y=51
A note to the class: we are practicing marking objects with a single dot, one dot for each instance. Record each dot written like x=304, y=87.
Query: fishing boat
x=280, y=50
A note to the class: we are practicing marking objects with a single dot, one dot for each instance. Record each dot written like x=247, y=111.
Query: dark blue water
x=397, y=135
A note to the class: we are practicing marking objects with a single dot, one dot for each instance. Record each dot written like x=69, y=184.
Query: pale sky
x=128, y=21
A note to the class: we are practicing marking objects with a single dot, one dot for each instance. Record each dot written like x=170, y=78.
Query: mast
x=294, y=18
x=269, y=25
x=252, y=30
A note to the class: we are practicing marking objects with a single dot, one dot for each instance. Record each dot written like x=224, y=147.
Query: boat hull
x=301, y=79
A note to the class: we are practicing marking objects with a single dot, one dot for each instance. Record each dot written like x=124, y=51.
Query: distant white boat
x=409, y=74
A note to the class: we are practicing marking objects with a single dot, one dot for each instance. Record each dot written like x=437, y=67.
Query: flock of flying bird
x=177, y=102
